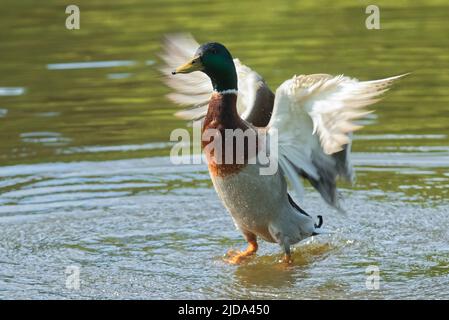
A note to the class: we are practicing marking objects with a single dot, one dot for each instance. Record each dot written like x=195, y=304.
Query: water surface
x=85, y=178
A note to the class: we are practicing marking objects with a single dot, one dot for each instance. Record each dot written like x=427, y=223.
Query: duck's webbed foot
x=236, y=257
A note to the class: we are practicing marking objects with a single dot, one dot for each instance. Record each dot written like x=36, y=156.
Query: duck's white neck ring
x=228, y=91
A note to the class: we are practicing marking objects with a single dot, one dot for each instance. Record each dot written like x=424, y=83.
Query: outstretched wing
x=313, y=116
x=255, y=99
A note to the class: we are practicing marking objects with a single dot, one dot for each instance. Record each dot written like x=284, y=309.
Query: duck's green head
x=214, y=60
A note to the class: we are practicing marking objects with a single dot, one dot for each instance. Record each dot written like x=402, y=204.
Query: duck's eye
x=214, y=51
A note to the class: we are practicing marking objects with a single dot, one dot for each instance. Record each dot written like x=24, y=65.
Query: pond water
x=86, y=181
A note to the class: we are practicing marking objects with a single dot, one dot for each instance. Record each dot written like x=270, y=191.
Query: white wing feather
x=314, y=116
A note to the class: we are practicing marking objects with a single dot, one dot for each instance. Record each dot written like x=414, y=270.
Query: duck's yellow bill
x=193, y=65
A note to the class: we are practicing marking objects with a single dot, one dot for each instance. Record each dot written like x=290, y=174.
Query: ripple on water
x=399, y=136
x=409, y=159
x=49, y=114
x=120, y=148
x=90, y=65
x=117, y=76
x=45, y=138
x=143, y=228
x=12, y=91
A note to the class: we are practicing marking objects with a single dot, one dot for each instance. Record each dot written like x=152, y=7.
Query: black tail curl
x=320, y=221
x=320, y=217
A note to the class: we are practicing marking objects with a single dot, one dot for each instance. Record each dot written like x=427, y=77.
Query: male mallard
x=312, y=115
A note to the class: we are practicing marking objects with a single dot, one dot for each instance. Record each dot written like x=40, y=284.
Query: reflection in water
x=263, y=274
x=268, y=271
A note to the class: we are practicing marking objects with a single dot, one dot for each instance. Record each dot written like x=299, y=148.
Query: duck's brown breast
x=221, y=121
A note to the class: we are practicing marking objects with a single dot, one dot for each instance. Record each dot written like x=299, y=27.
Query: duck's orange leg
x=236, y=257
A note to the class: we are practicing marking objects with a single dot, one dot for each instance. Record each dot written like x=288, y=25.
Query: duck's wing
x=255, y=99
x=313, y=118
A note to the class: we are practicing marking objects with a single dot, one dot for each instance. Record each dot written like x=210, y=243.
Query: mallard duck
x=312, y=116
